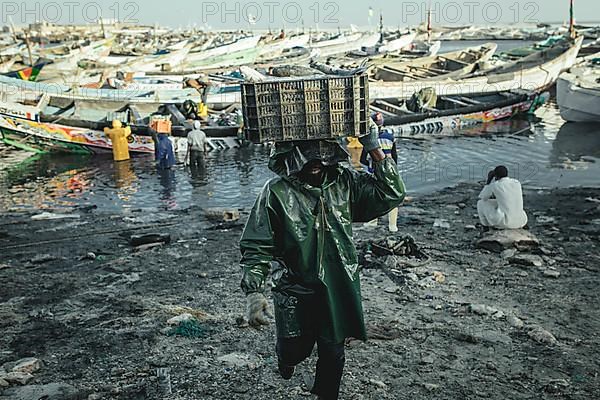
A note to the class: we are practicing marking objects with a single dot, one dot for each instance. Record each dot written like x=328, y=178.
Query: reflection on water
x=577, y=144
x=540, y=152
x=169, y=185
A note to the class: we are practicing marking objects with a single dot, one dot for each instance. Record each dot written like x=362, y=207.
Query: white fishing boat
x=7, y=64
x=340, y=39
x=242, y=51
x=278, y=46
x=92, y=99
x=158, y=62
x=421, y=48
x=65, y=65
x=397, y=44
x=440, y=66
x=534, y=72
x=578, y=91
x=351, y=42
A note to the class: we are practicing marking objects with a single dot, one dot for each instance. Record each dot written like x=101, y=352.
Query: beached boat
x=397, y=43
x=65, y=65
x=451, y=115
x=168, y=61
x=445, y=65
x=101, y=101
x=165, y=60
x=293, y=56
x=242, y=51
x=421, y=48
x=589, y=48
x=578, y=91
x=29, y=73
x=6, y=64
x=339, y=39
x=534, y=72
x=278, y=46
x=382, y=48
x=524, y=51
x=345, y=43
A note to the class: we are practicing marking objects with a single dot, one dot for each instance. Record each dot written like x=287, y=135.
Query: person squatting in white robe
x=501, y=201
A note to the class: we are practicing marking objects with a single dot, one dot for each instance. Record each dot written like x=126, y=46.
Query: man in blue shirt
x=165, y=157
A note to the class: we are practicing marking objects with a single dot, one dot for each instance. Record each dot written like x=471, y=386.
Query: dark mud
x=100, y=324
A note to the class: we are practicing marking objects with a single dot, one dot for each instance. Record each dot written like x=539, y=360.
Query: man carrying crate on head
x=301, y=226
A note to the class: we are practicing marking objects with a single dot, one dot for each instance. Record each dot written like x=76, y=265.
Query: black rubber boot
x=285, y=371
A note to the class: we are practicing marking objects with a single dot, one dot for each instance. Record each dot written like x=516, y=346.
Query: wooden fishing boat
x=65, y=65
x=293, y=56
x=6, y=64
x=29, y=73
x=534, y=72
x=351, y=42
x=520, y=52
x=278, y=46
x=240, y=52
x=452, y=115
x=27, y=128
x=160, y=61
x=578, y=91
x=391, y=45
x=91, y=99
x=421, y=48
x=20, y=127
x=336, y=40
x=445, y=65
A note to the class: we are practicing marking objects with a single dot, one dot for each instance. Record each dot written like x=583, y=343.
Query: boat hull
x=456, y=124
x=25, y=131
x=535, y=78
x=576, y=103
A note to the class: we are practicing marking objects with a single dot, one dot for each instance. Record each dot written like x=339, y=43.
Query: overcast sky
x=290, y=14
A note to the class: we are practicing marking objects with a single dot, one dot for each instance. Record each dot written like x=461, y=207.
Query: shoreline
x=461, y=326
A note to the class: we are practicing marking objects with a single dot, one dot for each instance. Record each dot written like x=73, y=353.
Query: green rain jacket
x=307, y=231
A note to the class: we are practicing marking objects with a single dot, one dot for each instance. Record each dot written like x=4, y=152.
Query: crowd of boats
x=61, y=85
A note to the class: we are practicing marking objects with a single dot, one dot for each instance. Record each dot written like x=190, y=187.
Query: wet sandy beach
x=469, y=324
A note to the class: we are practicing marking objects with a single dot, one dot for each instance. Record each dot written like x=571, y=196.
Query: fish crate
x=308, y=108
x=160, y=124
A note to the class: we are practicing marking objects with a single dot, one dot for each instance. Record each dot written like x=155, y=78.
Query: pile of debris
x=404, y=252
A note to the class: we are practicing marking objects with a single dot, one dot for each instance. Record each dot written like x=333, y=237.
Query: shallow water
x=544, y=152
x=541, y=152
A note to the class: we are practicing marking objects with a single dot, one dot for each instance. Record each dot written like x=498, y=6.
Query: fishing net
x=188, y=328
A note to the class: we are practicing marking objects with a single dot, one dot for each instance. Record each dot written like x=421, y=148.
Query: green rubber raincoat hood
x=305, y=232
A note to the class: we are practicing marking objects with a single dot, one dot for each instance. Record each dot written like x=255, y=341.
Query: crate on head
x=308, y=108
x=160, y=123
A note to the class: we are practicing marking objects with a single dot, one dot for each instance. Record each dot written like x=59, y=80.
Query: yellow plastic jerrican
x=118, y=136
x=353, y=143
